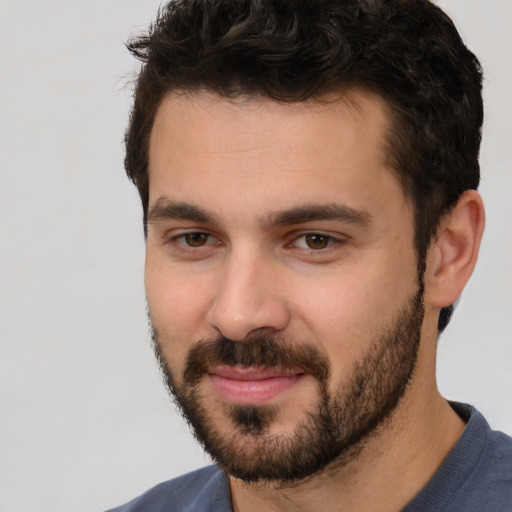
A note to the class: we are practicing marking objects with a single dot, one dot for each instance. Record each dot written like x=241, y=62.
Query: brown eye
x=317, y=241
x=196, y=239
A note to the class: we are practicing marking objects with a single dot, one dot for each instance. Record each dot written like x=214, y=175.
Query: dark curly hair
x=407, y=51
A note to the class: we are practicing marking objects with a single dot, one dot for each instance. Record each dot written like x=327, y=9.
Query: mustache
x=257, y=352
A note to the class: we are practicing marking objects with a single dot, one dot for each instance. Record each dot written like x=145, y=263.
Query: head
x=295, y=161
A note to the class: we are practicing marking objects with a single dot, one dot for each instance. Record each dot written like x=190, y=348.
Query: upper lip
x=239, y=373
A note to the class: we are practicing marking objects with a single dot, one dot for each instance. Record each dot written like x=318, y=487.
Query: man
x=308, y=174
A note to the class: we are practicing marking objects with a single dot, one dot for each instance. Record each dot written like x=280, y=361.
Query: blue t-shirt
x=476, y=476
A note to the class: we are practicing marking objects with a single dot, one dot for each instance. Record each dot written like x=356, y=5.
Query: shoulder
x=489, y=486
x=206, y=489
x=476, y=475
x=492, y=449
x=494, y=468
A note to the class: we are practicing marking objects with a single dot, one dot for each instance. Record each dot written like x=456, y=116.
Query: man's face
x=281, y=277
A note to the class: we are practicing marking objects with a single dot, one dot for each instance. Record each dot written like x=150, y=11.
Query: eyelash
x=179, y=240
x=329, y=239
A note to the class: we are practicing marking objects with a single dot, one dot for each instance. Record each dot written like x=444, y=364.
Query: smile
x=252, y=386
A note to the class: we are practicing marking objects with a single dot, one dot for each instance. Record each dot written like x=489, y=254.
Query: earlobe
x=453, y=253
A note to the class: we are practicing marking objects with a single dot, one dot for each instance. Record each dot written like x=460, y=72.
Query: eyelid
x=336, y=238
x=174, y=233
x=173, y=236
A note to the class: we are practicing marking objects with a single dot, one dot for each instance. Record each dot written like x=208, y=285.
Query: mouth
x=252, y=386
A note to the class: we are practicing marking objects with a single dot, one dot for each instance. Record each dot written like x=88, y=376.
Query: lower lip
x=252, y=392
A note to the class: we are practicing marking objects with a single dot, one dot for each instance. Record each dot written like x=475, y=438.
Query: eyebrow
x=166, y=209
x=318, y=212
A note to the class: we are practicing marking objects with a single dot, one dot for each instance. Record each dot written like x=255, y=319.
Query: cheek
x=346, y=315
x=339, y=321
x=173, y=294
x=177, y=305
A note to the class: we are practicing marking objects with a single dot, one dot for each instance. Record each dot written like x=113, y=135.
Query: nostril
x=266, y=317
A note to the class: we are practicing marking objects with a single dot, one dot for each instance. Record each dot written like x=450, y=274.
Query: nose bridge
x=247, y=296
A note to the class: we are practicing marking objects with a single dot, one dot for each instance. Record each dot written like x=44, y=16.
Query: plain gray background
x=85, y=423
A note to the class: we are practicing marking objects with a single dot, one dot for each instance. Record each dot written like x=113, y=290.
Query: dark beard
x=332, y=433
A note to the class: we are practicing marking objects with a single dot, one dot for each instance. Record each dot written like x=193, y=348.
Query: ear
x=453, y=252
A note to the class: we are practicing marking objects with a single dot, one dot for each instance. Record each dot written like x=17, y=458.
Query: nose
x=248, y=298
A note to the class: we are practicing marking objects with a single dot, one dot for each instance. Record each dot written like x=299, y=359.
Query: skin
x=244, y=162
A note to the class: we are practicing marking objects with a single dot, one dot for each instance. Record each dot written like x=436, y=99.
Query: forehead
x=248, y=121
x=202, y=144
